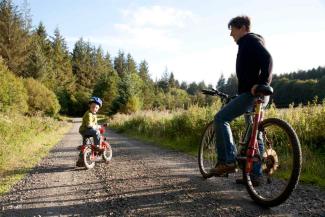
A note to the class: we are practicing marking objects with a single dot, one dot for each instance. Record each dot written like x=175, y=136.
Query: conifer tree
x=120, y=64
x=39, y=63
x=144, y=70
x=83, y=61
x=14, y=37
x=131, y=65
x=62, y=74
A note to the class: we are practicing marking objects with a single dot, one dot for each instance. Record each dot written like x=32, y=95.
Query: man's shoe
x=240, y=181
x=223, y=168
x=256, y=180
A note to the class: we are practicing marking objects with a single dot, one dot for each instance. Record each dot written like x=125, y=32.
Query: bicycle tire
x=296, y=168
x=209, y=131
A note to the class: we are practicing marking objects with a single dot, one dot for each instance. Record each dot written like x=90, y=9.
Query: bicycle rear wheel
x=281, y=164
x=207, y=156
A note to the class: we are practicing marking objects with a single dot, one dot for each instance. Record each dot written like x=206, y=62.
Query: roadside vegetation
x=25, y=140
x=29, y=125
x=182, y=129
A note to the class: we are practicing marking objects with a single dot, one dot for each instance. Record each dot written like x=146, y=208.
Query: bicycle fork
x=253, y=144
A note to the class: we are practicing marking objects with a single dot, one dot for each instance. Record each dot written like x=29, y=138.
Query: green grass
x=181, y=130
x=24, y=142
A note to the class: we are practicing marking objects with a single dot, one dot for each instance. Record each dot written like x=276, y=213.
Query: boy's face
x=94, y=107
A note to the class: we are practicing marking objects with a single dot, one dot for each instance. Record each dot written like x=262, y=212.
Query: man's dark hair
x=240, y=21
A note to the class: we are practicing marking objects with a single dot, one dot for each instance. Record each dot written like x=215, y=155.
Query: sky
x=190, y=37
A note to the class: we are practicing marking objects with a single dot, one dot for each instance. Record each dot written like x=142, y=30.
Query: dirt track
x=141, y=180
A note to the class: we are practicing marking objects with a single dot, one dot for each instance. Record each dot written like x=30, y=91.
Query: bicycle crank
x=270, y=161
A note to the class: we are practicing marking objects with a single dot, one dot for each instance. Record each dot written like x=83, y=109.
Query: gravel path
x=141, y=180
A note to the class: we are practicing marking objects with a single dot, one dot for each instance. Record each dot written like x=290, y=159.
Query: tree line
x=74, y=77
x=301, y=87
x=125, y=86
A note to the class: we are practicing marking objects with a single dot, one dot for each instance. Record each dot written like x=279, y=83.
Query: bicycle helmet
x=96, y=100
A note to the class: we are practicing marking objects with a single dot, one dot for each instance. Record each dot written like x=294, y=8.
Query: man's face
x=94, y=107
x=237, y=33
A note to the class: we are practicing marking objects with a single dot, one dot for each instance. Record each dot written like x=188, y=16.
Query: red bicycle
x=90, y=154
x=281, y=159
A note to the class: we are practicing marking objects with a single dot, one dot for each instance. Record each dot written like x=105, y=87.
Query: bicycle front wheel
x=281, y=164
x=207, y=156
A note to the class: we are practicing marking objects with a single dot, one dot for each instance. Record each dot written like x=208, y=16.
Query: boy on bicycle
x=253, y=68
x=89, y=126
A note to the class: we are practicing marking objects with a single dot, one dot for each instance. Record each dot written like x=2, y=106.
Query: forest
x=39, y=74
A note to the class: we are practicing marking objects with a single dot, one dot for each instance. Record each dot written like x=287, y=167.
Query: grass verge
x=181, y=130
x=24, y=142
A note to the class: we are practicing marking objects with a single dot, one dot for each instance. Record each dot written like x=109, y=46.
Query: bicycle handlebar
x=214, y=92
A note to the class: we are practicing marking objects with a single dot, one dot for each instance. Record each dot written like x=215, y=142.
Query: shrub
x=13, y=95
x=182, y=130
x=80, y=102
x=41, y=99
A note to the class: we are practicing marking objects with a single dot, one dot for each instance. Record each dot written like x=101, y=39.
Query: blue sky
x=190, y=37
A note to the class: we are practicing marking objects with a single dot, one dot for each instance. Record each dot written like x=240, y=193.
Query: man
x=253, y=67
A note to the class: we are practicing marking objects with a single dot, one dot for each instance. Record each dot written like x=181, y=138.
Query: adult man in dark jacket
x=253, y=67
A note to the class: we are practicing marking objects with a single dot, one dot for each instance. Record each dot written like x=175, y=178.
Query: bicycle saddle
x=264, y=90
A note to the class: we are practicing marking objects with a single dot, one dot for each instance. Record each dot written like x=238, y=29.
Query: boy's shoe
x=97, y=148
x=80, y=163
x=223, y=168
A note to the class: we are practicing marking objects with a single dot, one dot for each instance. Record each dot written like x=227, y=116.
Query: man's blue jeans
x=225, y=145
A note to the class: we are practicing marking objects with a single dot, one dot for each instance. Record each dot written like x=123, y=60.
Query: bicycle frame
x=102, y=144
x=253, y=144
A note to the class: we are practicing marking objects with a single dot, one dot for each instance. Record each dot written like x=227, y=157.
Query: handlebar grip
x=208, y=92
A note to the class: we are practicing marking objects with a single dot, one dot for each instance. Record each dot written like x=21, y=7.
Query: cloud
x=158, y=16
x=153, y=27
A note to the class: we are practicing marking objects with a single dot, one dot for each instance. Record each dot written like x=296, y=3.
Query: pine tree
x=144, y=70
x=148, y=93
x=120, y=64
x=193, y=88
x=62, y=73
x=14, y=37
x=61, y=79
x=100, y=66
x=83, y=61
x=163, y=83
x=184, y=85
x=129, y=96
x=131, y=64
x=171, y=80
x=39, y=64
x=107, y=89
x=109, y=61
x=221, y=82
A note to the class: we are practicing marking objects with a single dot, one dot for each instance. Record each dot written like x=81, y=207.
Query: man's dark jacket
x=254, y=62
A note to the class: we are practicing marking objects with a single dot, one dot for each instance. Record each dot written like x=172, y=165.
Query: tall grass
x=182, y=130
x=23, y=142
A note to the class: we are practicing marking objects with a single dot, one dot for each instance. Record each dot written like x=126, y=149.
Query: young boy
x=89, y=126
